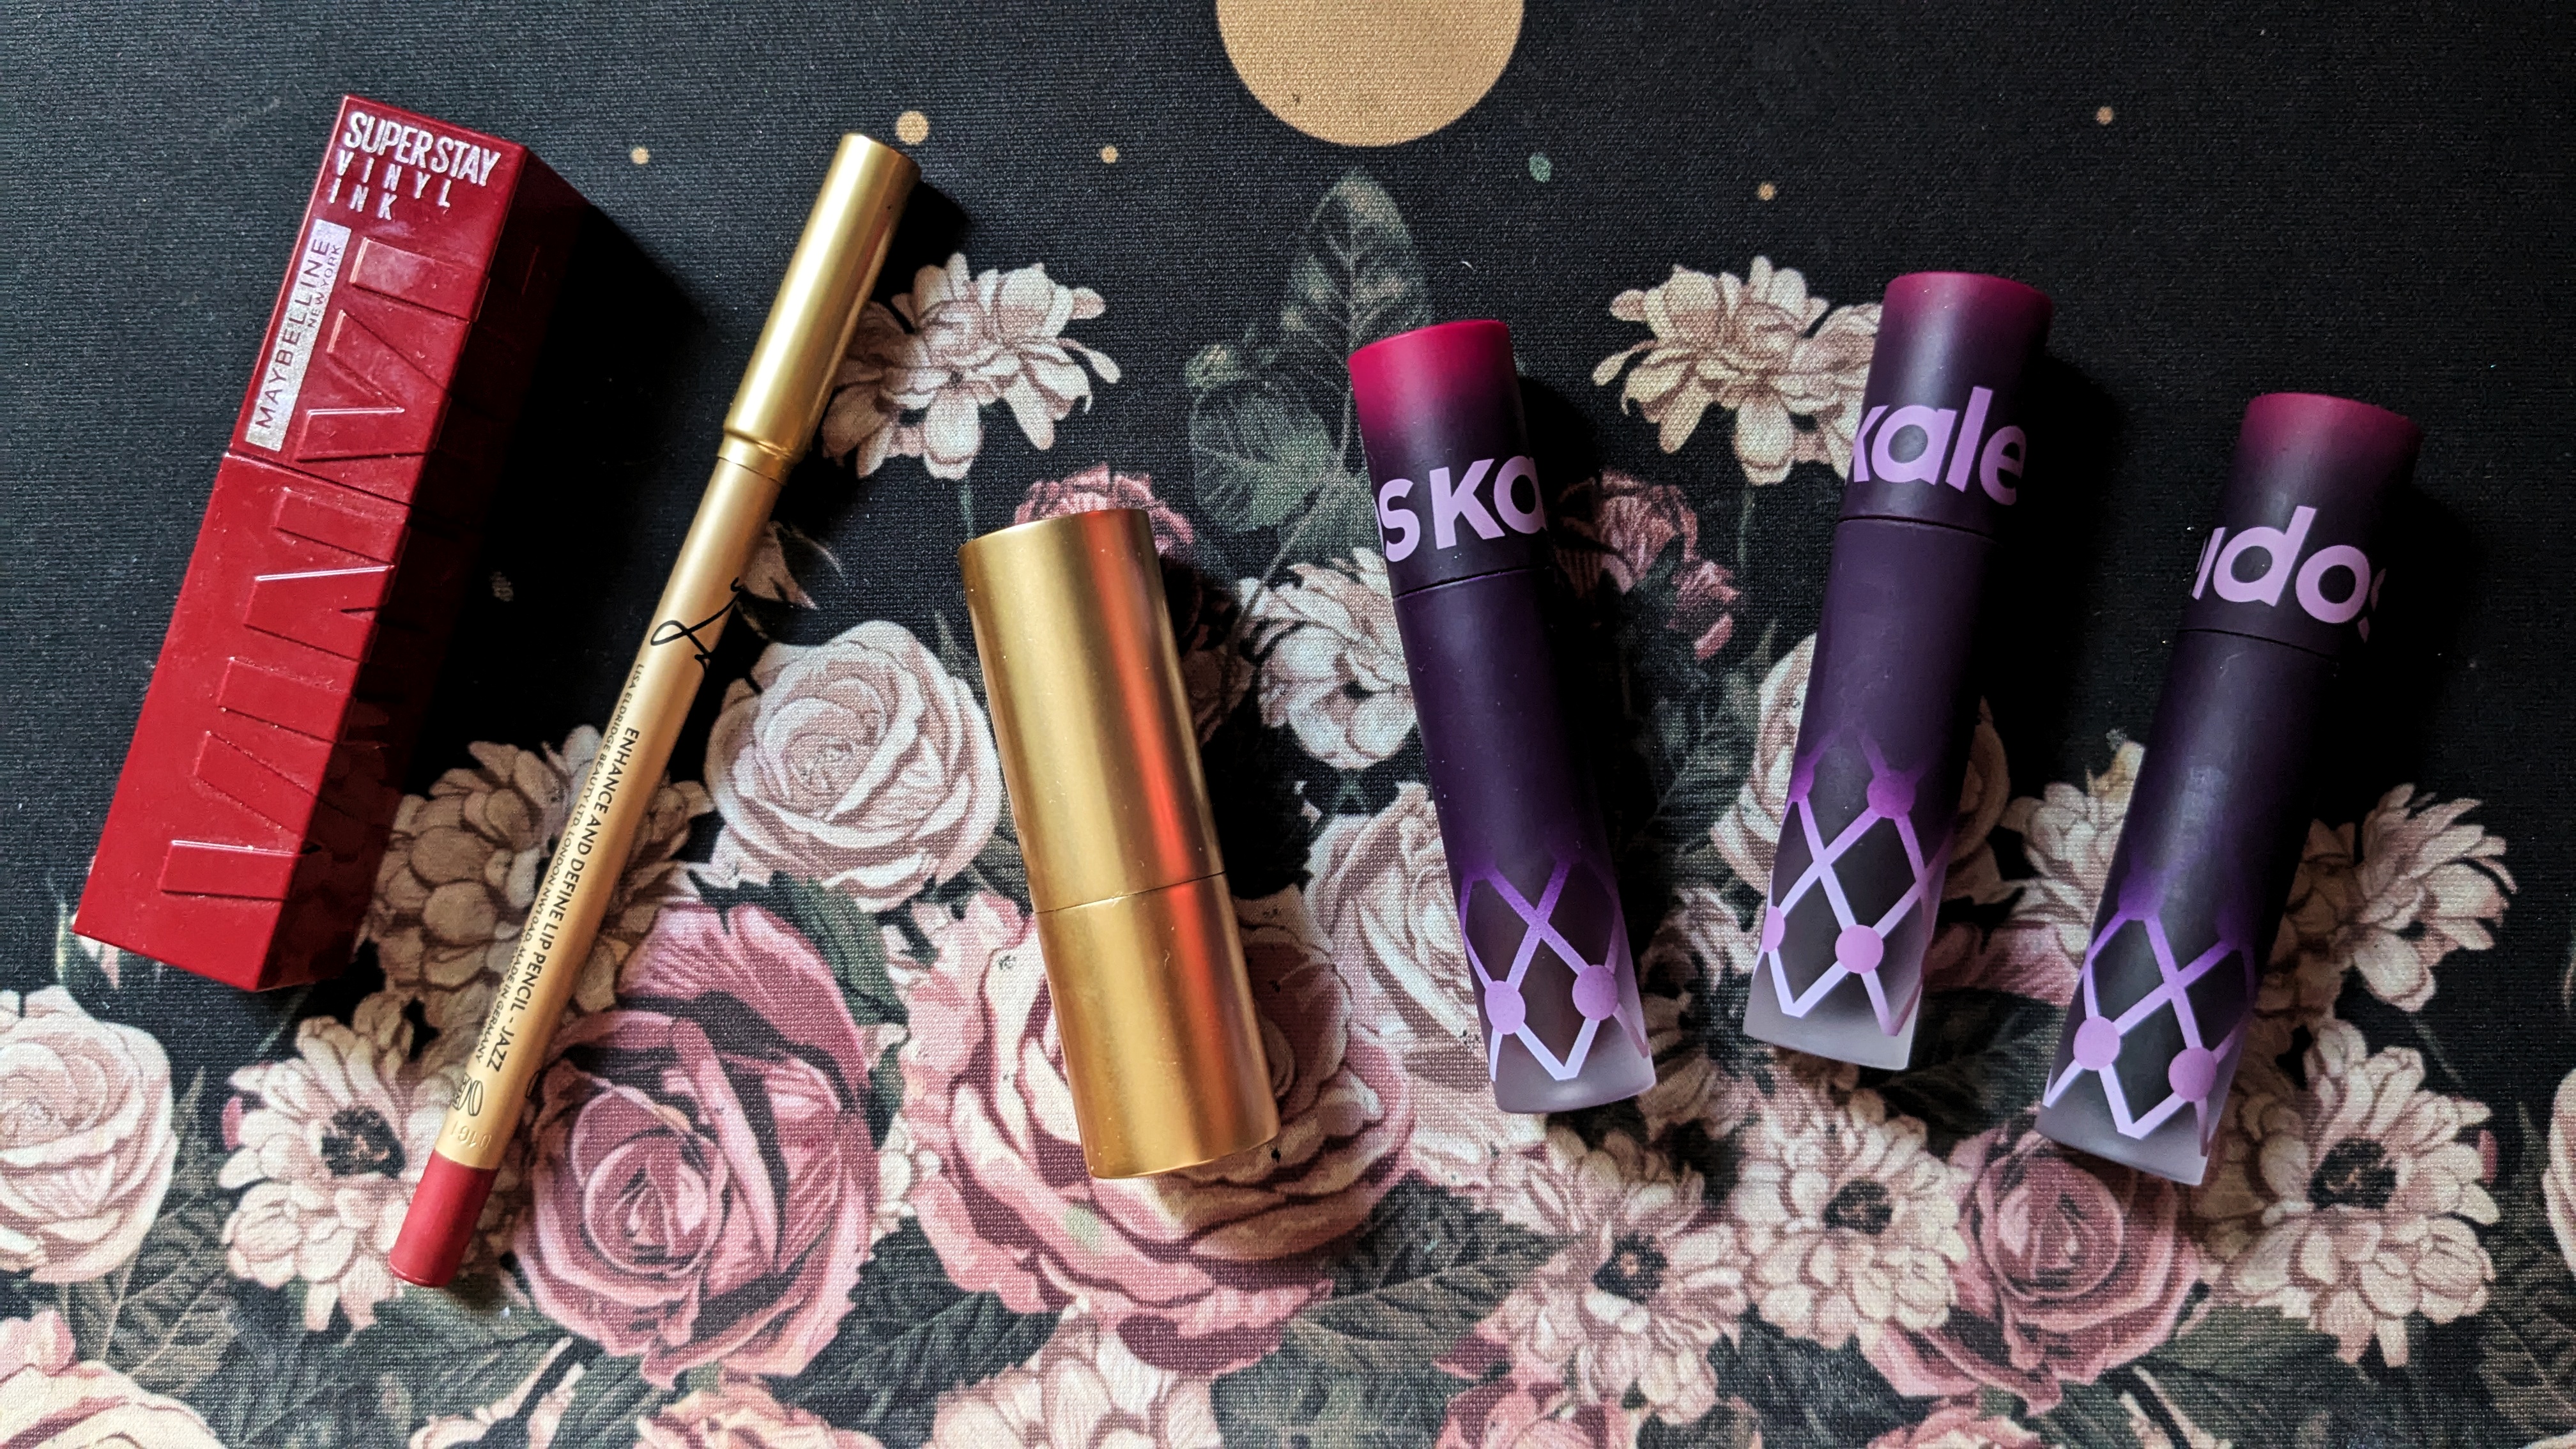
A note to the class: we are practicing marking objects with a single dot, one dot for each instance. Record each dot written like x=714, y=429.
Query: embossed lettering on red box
x=266, y=766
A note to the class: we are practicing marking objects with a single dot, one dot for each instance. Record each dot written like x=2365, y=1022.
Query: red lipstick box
x=243, y=840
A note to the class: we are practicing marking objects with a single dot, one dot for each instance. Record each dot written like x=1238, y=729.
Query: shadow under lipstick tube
x=2284, y=586
x=1883, y=744
x=1464, y=527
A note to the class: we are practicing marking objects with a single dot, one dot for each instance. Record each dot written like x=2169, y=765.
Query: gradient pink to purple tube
x=2212, y=836
x=1882, y=743
x=1538, y=899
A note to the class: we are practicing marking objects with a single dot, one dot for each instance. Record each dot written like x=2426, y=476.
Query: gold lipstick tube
x=1152, y=1002
x=766, y=431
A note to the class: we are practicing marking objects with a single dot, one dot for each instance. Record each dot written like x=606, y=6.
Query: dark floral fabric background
x=802, y=1171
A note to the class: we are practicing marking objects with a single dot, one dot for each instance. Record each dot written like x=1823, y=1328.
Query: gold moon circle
x=1368, y=72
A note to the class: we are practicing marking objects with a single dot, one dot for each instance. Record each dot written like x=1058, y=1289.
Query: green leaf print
x=1424, y=1271
x=1985, y=1056
x=912, y=1336
x=846, y=934
x=607, y=1401
x=279, y=1387
x=1292, y=1402
x=162, y=1318
x=1355, y=279
x=2245, y=1375
x=1273, y=442
x=1356, y=1369
x=2527, y=1336
x=451, y=1357
x=1809, y=1397
x=1260, y=456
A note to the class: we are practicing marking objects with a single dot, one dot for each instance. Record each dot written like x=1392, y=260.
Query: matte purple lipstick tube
x=1883, y=744
x=1464, y=527
x=2284, y=586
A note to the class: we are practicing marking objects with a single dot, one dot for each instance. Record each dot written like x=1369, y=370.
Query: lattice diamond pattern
x=2105, y=1032
x=1595, y=988
x=1860, y=945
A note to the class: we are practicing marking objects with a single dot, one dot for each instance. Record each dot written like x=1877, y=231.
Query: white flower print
x=1331, y=667
x=1648, y=1279
x=1748, y=832
x=860, y=763
x=2421, y=884
x=330, y=1144
x=1082, y=1390
x=1850, y=1220
x=1700, y=942
x=2067, y=836
x=1750, y=344
x=2350, y=1205
x=920, y=374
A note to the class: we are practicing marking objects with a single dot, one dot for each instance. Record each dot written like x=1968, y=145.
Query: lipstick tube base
x=1845, y=1031
x=2177, y=1150
x=1615, y=1071
x=1161, y=1047
x=1873, y=794
x=440, y=1224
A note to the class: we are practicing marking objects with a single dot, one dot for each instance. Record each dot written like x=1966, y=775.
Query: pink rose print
x=1703, y=606
x=1614, y=528
x=704, y=1171
x=1195, y=1270
x=86, y=1145
x=1096, y=487
x=2074, y=1266
x=1617, y=527
x=49, y=1397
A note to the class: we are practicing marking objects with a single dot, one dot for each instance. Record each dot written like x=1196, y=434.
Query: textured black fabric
x=2325, y=198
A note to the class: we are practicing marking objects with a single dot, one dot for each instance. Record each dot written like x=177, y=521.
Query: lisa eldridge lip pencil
x=2284, y=587
x=1464, y=528
x=767, y=430
x=1883, y=744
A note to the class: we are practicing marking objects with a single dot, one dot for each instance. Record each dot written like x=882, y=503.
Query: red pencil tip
x=440, y=1225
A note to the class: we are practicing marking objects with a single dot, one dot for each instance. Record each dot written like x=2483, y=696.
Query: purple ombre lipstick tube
x=1883, y=745
x=1464, y=527
x=2284, y=587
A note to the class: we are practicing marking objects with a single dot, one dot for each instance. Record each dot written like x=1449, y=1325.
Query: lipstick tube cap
x=1939, y=438
x=1152, y=1001
x=2298, y=523
x=1421, y=397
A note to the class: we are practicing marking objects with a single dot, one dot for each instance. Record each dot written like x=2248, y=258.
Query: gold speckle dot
x=912, y=128
x=639, y=155
x=1109, y=155
x=2102, y=117
x=1767, y=192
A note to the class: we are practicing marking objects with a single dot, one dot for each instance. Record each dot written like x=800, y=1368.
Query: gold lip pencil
x=767, y=430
